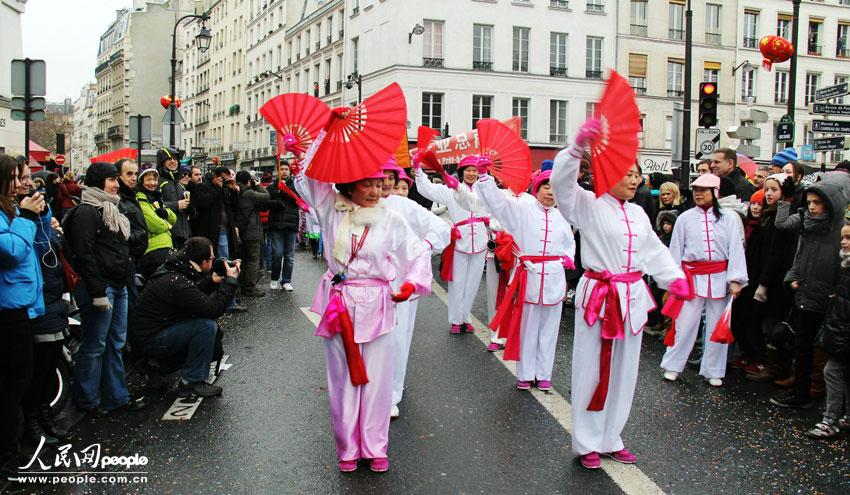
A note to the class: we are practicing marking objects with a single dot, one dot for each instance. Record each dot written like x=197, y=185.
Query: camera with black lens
x=220, y=266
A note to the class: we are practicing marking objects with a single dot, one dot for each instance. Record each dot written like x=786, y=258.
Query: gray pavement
x=463, y=427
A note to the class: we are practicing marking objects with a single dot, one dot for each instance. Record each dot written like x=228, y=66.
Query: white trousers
x=687, y=326
x=402, y=335
x=492, y=292
x=361, y=414
x=538, y=339
x=466, y=275
x=599, y=431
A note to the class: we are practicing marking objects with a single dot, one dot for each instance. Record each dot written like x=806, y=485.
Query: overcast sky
x=66, y=33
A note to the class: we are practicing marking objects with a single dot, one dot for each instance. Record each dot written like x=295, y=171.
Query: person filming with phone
x=176, y=314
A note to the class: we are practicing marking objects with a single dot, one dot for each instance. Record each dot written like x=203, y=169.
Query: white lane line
x=629, y=478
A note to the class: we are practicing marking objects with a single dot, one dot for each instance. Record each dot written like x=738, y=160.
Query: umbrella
x=614, y=151
x=359, y=140
x=509, y=153
x=747, y=164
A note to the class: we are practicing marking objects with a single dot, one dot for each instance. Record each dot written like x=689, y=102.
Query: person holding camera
x=23, y=227
x=252, y=197
x=177, y=312
x=213, y=201
x=174, y=193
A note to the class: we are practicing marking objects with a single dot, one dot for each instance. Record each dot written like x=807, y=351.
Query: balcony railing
x=712, y=38
x=339, y=85
x=480, y=65
x=675, y=93
x=639, y=90
x=745, y=98
x=676, y=34
x=561, y=4
x=750, y=42
x=114, y=131
x=814, y=49
x=99, y=137
x=330, y=38
x=593, y=74
x=639, y=30
x=595, y=7
x=558, y=71
x=842, y=53
x=432, y=62
x=780, y=99
x=318, y=45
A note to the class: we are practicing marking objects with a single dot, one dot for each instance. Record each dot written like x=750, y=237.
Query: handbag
x=72, y=279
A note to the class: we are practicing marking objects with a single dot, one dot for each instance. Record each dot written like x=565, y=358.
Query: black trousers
x=747, y=322
x=15, y=375
x=45, y=357
x=808, y=324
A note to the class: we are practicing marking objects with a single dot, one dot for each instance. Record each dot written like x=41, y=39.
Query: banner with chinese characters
x=452, y=150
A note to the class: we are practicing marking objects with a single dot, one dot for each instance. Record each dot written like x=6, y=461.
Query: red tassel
x=670, y=338
x=356, y=366
x=597, y=403
x=448, y=258
x=722, y=333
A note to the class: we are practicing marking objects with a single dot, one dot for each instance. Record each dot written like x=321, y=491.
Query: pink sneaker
x=455, y=329
x=347, y=466
x=468, y=328
x=493, y=347
x=521, y=385
x=623, y=456
x=591, y=460
x=379, y=464
x=544, y=385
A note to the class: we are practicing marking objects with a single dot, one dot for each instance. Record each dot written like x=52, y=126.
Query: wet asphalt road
x=463, y=426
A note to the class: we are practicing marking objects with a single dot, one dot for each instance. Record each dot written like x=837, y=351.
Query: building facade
x=82, y=146
x=11, y=47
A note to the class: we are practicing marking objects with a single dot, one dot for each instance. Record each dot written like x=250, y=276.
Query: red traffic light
x=708, y=88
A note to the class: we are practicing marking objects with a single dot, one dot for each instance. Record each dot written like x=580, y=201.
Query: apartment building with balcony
x=11, y=47
x=82, y=145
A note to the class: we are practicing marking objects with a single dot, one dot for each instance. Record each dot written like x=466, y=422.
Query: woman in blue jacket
x=21, y=228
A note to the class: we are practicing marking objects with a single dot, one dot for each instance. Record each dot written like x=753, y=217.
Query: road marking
x=184, y=408
x=628, y=477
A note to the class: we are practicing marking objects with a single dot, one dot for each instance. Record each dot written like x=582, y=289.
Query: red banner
x=452, y=150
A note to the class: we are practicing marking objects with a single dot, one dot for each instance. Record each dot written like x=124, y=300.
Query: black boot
x=9, y=462
x=45, y=419
x=33, y=432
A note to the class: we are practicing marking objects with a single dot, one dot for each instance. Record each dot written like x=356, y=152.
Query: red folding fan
x=424, y=136
x=299, y=115
x=359, y=142
x=614, y=151
x=510, y=154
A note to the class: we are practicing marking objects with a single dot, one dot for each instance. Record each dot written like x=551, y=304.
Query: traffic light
x=707, y=104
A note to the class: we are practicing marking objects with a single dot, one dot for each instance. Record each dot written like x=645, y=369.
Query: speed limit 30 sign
x=707, y=140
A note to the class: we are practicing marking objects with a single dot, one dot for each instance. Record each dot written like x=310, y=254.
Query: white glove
x=101, y=304
x=761, y=294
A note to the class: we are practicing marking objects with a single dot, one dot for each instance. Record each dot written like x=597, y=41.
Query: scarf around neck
x=813, y=224
x=354, y=222
x=106, y=203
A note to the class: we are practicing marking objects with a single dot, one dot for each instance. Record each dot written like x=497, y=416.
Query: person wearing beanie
x=788, y=155
x=159, y=220
x=464, y=258
x=436, y=234
x=618, y=248
x=708, y=243
x=530, y=319
x=174, y=195
x=252, y=197
x=97, y=234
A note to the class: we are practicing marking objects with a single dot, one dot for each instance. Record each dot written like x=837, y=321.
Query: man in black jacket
x=173, y=193
x=252, y=197
x=128, y=172
x=177, y=312
x=725, y=164
x=284, y=217
x=212, y=202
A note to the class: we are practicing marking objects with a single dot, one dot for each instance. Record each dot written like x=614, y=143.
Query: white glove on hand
x=101, y=304
x=761, y=294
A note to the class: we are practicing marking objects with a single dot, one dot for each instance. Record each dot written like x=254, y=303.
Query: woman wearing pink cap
x=368, y=248
x=618, y=247
x=709, y=245
x=463, y=261
x=530, y=313
x=435, y=233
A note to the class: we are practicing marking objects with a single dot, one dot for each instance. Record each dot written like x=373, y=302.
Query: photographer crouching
x=177, y=311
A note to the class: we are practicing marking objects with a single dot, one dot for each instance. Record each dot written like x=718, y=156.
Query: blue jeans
x=223, y=248
x=195, y=337
x=99, y=379
x=283, y=253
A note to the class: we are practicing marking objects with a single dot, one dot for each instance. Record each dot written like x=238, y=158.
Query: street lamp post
x=204, y=38
x=685, y=156
x=355, y=78
x=792, y=83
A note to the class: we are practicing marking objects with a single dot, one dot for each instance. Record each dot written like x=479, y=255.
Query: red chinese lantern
x=165, y=101
x=775, y=50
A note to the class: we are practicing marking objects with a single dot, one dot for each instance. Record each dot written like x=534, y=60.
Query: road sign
x=707, y=140
x=20, y=103
x=829, y=109
x=831, y=126
x=832, y=143
x=807, y=153
x=60, y=159
x=35, y=115
x=831, y=91
x=785, y=132
x=140, y=127
x=744, y=132
x=37, y=77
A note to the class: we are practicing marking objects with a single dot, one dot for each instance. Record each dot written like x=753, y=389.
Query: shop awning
x=114, y=156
